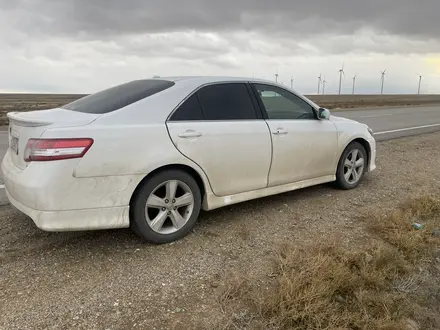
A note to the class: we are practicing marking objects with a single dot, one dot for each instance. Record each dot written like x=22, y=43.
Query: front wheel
x=165, y=207
x=351, y=166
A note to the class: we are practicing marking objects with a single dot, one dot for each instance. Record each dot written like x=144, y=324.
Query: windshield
x=119, y=96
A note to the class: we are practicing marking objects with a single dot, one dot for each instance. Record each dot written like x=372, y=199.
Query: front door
x=304, y=147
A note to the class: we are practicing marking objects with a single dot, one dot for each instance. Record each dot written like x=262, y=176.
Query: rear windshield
x=119, y=96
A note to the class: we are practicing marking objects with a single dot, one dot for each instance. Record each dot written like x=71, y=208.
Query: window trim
x=263, y=107
x=258, y=112
x=256, y=104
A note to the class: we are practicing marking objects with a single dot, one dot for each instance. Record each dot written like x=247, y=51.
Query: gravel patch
x=112, y=280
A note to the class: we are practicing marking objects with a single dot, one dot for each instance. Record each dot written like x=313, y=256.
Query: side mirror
x=323, y=114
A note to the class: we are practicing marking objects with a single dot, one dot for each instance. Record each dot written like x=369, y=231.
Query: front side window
x=281, y=104
x=230, y=101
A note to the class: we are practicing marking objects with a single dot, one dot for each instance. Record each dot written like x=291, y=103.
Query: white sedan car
x=149, y=154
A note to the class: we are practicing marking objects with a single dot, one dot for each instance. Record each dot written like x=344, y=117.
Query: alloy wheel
x=169, y=207
x=354, y=166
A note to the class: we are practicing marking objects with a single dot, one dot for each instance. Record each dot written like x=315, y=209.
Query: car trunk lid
x=31, y=125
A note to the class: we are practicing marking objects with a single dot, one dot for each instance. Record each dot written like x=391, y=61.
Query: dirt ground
x=29, y=102
x=112, y=280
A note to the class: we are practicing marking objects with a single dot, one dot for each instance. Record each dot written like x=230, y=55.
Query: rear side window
x=226, y=102
x=189, y=110
x=119, y=96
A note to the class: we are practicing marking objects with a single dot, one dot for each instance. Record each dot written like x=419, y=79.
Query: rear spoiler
x=16, y=118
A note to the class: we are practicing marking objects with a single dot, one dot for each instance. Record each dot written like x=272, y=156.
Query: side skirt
x=212, y=201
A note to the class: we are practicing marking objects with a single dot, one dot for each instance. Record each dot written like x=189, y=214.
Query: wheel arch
x=367, y=148
x=362, y=142
x=185, y=168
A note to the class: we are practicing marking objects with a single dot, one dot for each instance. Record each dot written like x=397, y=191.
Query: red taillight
x=38, y=150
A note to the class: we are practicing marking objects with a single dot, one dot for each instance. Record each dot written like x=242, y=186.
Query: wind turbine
x=354, y=83
x=291, y=82
x=341, y=72
x=319, y=82
x=382, y=79
x=323, y=86
x=420, y=82
x=276, y=77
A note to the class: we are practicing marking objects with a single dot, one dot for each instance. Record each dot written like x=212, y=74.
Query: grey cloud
x=176, y=45
x=366, y=43
x=85, y=45
x=224, y=63
x=87, y=18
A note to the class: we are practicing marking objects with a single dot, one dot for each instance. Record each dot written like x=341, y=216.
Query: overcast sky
x=81, y=46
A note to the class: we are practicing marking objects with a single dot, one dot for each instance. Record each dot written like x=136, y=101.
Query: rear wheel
x=166, y=207
x=351, y=166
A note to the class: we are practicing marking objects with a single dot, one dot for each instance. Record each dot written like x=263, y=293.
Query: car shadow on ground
x=22, y=237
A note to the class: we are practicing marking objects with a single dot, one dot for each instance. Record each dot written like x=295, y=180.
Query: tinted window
x=119, y=96
x=226, y=102
x=189, y=110
x=281, y=104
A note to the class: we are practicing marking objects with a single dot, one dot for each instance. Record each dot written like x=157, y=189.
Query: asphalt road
x=387, y=123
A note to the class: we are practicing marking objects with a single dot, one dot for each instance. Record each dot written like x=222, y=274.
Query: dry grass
x=329, y=287
x=31, y=102
x=395, y=228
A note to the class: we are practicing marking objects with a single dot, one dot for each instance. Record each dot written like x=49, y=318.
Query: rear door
x=304, y=147
x=220, y=128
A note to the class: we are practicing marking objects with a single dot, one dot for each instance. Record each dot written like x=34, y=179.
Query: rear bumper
x=57, y=201
x=76, y=220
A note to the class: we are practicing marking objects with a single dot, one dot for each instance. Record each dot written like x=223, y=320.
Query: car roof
x=211, y=79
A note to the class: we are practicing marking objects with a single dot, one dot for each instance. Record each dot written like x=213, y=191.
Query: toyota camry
x=150, y=154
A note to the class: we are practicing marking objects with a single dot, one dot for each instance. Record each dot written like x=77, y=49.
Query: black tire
x=341, y=181
x=138, y=220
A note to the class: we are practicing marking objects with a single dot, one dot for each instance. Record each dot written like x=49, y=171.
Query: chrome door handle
x=189, y=134
x=279, y=131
